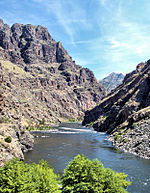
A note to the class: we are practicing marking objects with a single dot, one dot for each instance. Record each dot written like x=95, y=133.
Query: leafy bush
x=83, y=175
x=42, y=122
x=5, y=120
x=126, y=140
x=38, y=128
x=117, y=137
x=72, y=120
x=16, y=176
x=134, y=125
x=91, y=124
x=8, y=139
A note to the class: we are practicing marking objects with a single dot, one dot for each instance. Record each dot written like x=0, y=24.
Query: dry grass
x=14, y=68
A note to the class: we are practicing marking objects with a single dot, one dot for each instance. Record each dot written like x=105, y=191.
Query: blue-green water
x=60, y=147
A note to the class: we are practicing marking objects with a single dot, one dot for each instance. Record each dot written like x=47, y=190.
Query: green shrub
x=134, y=125
x=22, y=132
x=83, y=175
x=8, y=139
x=17, y=176
x=5, y=120
x=117, y=137
x=38, y=128
x=30, y=128
x=72, y=120
x=91, y=124
x=42, y=122
x=126, y=140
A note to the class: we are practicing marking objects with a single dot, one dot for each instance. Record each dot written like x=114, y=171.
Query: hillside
x=40, y=83
x=125, y=113
x=112, y=81
x=14, y=139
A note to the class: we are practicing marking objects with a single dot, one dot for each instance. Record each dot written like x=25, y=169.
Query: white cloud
x=115, y=44
x=82, y=42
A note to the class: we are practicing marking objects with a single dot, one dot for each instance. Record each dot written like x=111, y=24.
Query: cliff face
x=112, y=81
x=39, y=83
x=124, y=111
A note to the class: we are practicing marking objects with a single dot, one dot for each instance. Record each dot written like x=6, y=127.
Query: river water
x=60, y=146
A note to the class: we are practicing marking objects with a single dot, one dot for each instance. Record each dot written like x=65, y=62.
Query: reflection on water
x=60, y=147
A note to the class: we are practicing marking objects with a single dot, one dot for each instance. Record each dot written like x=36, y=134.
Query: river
x=60, y=146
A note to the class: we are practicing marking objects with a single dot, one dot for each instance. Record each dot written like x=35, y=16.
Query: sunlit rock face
x=112, y=81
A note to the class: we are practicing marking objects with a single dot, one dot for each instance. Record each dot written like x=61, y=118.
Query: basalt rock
x=125, y=109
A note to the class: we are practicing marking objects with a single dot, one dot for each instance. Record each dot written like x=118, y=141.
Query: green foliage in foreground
x=83, y=175
x=16, y=176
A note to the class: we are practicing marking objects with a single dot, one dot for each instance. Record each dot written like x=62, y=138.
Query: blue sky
x=103, y=35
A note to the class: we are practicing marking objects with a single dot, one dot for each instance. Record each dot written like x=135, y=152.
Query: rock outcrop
x=112, y=81
x=125, y=113
x=40, y=82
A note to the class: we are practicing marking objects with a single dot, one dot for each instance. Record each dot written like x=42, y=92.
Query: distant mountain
x=112, y=81
x=125, y=113
x=39, y=84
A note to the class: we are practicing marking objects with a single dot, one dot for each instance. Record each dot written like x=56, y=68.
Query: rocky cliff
x=40, y=81
x=14, y=139
x=42, y=77
x=112, y=81
x=125, y=113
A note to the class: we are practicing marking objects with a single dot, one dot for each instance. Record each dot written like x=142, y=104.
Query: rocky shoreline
x=135, y=140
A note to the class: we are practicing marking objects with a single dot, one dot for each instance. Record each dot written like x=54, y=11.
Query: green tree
x=83, y=175
x=17, y=176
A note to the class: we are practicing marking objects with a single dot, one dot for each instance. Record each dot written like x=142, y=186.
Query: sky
x=103, y=35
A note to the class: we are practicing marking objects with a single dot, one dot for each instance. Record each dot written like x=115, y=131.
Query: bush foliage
x=8, y=139
x=16, y=176
x=83, y=175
